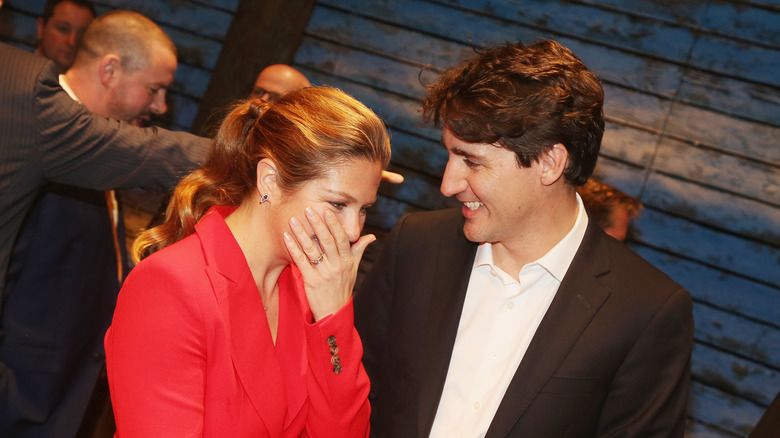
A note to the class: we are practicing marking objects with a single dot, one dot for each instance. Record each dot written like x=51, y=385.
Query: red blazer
x=190, y=353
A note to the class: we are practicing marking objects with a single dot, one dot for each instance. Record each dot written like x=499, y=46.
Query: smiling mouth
x=473, y=205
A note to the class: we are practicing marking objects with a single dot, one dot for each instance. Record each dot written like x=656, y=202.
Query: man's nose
x=158, y=105
x=452, y=182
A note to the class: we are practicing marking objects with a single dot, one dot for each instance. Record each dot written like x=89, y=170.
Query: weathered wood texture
x=261, y=34
x=693, y=107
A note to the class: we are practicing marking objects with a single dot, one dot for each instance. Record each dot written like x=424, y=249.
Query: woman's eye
x=338, y=205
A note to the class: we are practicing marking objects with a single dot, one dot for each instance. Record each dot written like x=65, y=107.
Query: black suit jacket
x=769, y=425
x=611, y=356
x=62, y=287
x=47, y=137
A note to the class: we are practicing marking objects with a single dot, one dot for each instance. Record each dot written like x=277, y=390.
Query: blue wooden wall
x=693, y=109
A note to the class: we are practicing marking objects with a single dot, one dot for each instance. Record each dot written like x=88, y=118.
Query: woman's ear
x=266, y=178
x=554, y=163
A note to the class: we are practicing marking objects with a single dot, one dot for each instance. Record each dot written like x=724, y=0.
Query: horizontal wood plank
x=719, y=210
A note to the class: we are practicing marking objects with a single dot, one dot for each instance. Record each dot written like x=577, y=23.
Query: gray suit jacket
x=46, y=136
x=611, y=356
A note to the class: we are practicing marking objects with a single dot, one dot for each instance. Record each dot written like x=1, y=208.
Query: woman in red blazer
x=240, y=324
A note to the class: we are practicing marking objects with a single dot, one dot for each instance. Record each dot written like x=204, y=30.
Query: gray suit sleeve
x=85, y=150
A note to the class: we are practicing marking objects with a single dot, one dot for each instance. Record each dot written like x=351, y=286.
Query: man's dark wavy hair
x=525, y=98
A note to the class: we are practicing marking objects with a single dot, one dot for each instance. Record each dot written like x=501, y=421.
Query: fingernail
x=287, y=237
x=294, y=222
x=309, y=211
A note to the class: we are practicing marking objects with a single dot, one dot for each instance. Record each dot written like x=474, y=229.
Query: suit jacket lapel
x=578, y=299
x=454, y=260
x=251, y=345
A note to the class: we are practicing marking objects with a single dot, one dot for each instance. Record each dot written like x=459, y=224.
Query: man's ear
x=553, y=164
x=266, y=178
x=109, y=69
x=40, y=25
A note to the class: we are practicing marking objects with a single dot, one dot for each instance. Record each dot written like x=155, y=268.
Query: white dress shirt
x=500, y=316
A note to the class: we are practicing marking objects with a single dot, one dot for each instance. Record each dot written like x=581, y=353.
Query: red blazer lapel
x=577, y=301
x=251, y=345
x=291, y=340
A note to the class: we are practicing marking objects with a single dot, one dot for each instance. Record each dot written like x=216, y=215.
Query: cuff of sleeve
x=332, y=340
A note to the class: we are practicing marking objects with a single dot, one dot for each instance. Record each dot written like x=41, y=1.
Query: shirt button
x=493, y=273
x=494, y=356
x=510, y=305
x=476, y=405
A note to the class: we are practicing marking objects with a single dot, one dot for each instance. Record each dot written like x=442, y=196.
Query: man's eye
x=64, y=29
x=470, y=163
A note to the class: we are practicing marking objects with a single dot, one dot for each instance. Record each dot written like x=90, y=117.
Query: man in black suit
x=48, y=137
x=516, y=316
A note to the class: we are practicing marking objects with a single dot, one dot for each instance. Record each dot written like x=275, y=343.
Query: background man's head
x=60, y=28
x=526, y=99
x=277, y=80
x=123, y=67
x=609, y=207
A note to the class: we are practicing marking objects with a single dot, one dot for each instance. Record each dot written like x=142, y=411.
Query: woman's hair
x=305, y=133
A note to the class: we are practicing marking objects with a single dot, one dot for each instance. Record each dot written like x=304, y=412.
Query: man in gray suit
x=48, y=137
x=516, y=316
x=70, y=258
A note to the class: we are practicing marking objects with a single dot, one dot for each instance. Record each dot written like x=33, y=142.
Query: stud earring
x=264, y=198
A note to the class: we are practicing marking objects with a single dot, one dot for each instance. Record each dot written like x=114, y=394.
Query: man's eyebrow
x=462, y=153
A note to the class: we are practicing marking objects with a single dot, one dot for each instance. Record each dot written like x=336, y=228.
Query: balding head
x=127, y=34
x=123, y=67
x=277, y=80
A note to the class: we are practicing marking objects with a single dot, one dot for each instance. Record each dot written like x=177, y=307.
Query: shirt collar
x=558, y=258
x=64, y=85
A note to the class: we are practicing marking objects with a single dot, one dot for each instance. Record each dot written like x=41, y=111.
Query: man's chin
x=472, y=233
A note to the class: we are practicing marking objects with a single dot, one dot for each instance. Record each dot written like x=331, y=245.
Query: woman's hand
x=329, y=268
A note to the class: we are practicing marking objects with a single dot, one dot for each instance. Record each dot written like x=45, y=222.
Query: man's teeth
x=472, y=205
